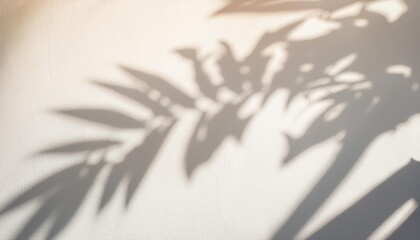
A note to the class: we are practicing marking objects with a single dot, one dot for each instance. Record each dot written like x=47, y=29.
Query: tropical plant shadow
x=364, y=70
x=62, y=193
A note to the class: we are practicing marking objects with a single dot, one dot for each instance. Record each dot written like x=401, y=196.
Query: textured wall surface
x=241, y=119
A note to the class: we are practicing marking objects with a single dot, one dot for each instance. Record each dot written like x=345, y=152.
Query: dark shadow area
x=365, y=216
x=376, y=102
x=365, y=70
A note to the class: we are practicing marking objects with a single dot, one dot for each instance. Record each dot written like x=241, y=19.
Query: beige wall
x=52, y=51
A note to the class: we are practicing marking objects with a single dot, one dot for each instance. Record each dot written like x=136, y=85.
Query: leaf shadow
x=62, y=195
x=364, y=110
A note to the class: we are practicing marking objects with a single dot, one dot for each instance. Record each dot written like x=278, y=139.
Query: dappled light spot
x=373, y=104
x=115, y=155
x=361, y=86
x=391, y=9
x=375, y=100
x=390, y=225
x=307, y=67
x=154, y=95
x=334, y=112
x=165, y=101
x=94, y=158
x=350, y=77
x=350, y=10
x=341, y=64
x=415, y=86
x=404, y=70
x=206, y=105
x=226, y=96
x=323, y=92
x=341, y=135
x=313, y=28
x=361, y=22
x=319, y=82
x=250, y=107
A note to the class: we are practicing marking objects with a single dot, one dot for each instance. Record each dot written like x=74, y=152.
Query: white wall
x=52, y=51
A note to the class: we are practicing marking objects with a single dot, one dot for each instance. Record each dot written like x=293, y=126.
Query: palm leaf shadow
x=62, y=195
x=80, y=146
x=105, y=117
x=211, y=130
x=369, y=111
x=225, y=122
x=230, y=69
x=203, y=81
x=366, y=215
x=139, y=97
x=134, y=166
x=371, y=106
x=216, y=129
x=163, y=86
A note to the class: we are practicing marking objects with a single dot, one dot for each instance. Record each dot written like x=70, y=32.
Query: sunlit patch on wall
x=415, y=87
x=350, y=77
x=313, y=28
x=341, y=64
x=307, y=67
x=362, y=86
x=334, y=112
x=404, y=70
x=391, y=9
x=395, y=220
x=251, y=106
x=278, y=55
x=351, y=10
x=361, y=22
x=319, y=82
